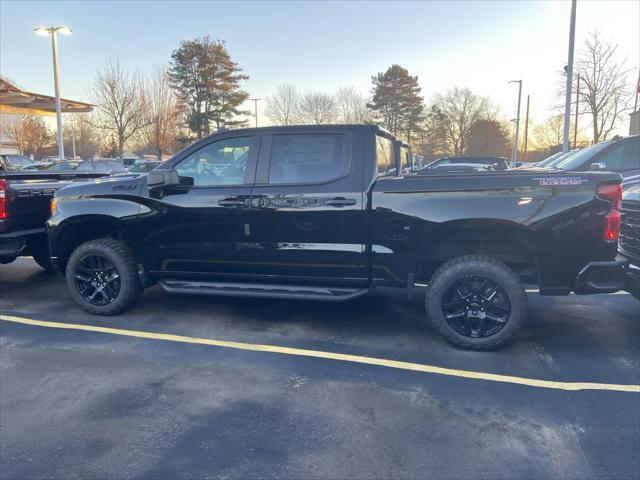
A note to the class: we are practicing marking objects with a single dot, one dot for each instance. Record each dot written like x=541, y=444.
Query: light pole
x=255, y=108
x=514, y=156
x=53, y=32
x=567, y=103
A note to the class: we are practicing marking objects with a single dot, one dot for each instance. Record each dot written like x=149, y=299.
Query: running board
x=263, y=290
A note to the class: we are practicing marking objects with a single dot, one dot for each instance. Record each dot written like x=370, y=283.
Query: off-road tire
x=486, y=266
x=120, y=255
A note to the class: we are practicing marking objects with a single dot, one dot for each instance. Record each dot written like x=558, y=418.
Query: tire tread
x=130, y=276
x=503, y=337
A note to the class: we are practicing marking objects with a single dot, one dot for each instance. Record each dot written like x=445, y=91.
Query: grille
x=630, y=229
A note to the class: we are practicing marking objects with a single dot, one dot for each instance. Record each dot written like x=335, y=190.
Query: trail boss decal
x=560, y=181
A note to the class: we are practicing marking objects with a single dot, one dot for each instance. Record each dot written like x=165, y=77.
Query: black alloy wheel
x=97, y=280
x=476, y=306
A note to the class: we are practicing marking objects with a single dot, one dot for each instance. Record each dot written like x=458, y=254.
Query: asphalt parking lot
x=86, y=404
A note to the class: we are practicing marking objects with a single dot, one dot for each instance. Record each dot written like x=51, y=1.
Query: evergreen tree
x=208, y=81
x=397, y=101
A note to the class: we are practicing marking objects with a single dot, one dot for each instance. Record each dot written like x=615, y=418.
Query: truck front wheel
x=102, y=277
x=476, y=302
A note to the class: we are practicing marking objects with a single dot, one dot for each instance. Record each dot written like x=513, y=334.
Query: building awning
x=19, y=102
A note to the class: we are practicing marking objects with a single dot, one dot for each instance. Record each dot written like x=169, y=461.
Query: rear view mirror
x=598, y=167
x=162, y=178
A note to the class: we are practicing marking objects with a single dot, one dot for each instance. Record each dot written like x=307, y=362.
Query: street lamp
x=53, y=32
x=514, y=156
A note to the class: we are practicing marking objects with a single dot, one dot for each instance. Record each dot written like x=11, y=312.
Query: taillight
x=4, y=210
x=611, y=192
x=613, y=219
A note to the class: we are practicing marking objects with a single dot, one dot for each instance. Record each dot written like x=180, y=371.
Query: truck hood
x=128, y=185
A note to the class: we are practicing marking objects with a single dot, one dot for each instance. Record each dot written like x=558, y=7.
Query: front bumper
x=602, y=277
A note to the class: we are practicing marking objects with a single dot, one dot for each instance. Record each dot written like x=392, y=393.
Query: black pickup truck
x=329, y=213
x=25, y=199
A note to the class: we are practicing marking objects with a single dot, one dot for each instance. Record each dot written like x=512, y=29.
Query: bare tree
x=605, y=88
x=549, y=135
x=457, y=111
x=282, y=107
x=318, y=108
x=164, y=114
x=352, y=106
x=30, y=133
x=121, y=106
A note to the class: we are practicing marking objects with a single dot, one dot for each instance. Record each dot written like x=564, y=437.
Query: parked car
x=17, y=163
x=493, y=163
x=25, y=199
x=457, y=168
x=310, y=212
x=144, y=166
x=109, y=166
x=66, y=166
x=629, y=244
x=621, y=154
x=550, y=161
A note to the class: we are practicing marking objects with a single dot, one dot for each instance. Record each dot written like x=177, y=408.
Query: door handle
x=231, y=202
x=340, y=202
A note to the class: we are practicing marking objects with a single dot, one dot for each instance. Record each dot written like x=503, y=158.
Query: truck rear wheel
x=102, y=277
x=476, y=302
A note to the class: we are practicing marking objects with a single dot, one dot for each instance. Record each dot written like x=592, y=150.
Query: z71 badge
x=559, y=181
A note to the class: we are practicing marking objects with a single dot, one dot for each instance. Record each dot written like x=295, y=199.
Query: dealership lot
x=79, y=404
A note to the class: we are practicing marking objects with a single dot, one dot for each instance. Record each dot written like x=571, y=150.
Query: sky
x=323, y=45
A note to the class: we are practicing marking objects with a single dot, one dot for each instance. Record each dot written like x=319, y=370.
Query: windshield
x=549, y=160
x=561, y=158
x=578, y=158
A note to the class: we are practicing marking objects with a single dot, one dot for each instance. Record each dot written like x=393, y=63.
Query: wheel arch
x=507, y=241
x=77, y=230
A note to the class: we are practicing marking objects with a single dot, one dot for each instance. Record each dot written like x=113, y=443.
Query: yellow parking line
x=416, y=367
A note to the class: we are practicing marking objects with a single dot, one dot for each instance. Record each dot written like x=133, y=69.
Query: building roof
x=16, y=101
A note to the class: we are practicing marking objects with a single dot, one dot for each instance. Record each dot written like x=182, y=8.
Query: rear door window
x=631, y=159
x=385, y=157
x=405, y=160
x=308, y=158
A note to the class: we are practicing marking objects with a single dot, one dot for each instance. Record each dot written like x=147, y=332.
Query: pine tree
x=397, y=101
x=208, y=81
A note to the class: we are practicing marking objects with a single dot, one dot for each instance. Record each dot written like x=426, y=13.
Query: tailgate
x=28, y=197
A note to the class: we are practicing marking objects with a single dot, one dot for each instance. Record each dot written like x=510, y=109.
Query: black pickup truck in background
x=629, y=244
x=330, y=212
x=25, y=199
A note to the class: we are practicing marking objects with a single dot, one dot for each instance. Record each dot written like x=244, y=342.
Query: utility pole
x=255, y=108
x=567, y=103
x=73, y=137
x=514, y=156
x=575, y=122
x=526, y=131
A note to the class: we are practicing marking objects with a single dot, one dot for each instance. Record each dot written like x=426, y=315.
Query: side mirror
x=598, y=167
x=162, y=178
